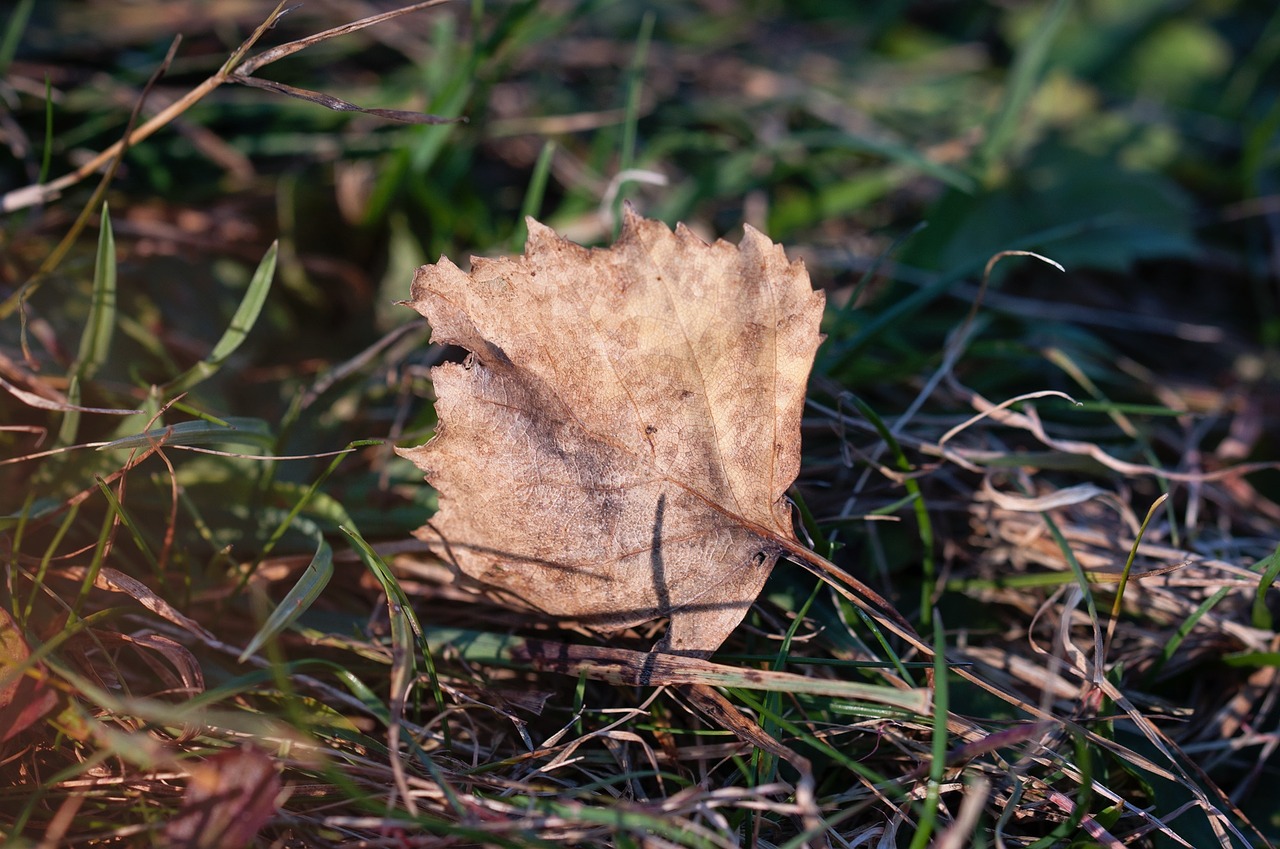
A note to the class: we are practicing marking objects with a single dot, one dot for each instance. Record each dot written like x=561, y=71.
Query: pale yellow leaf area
x=619, y=443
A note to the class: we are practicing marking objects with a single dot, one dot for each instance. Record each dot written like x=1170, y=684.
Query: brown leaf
x=618, y=445
x=229, y=797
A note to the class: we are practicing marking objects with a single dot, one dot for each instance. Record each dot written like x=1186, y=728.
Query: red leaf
x=25, y=694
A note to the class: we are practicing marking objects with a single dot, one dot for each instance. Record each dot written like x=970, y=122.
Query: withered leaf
x=230, y=797
x=25, y=694
x=618, y=445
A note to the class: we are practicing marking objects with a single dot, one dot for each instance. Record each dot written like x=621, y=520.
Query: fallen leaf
x=25, y=694
x=618, y=445
x=230, y=796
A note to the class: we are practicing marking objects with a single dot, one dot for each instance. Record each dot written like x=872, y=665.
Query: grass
x=217, y=631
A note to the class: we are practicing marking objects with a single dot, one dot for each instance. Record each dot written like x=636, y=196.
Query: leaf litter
x=1200, y=607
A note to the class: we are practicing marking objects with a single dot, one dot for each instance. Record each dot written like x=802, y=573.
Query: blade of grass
x=634, y=85
x=95, y=564
x=405, y=628
x=400, y=607
x=1028, y=67
x=820, y=140
x=630, y=668
x=818, y=540
x=1060, y=358
x=765, y=763
x=95, y=342
x=928, y=578
x=1069, y=826
x=1252, y=658
x=95, y=339
x=1184, y=628
x=756, y=705
x=533, y=195
x=13, y=30
x=1048, y=579
x=1261, y=614
x=842, y=318
x=233, y=430
x=883, y=641
x=131, y=525
x=64, y=527
x=1077, y=571
x=303, y=594
x=938, y=747
x=46, y=155
x=241, y=323
x=622, y=816
x=332, y=508
x=1124, y=574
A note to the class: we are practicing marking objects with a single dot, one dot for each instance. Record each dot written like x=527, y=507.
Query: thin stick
x=44, y=192
x=237, y=70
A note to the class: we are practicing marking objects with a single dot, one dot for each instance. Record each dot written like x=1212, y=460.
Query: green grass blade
x=634, y=84
x=234, y=430
x=938, y=758
x=482, y=647
x=13, y=30
x=928, y=578
x=317, y=502
x=890, y=150
x=127, y=519
x=634, y=87
x=1186, y=627
x=820, y=542
x=1077, y=571
x=842, y=322
x=1252, y=658
x=71, y=418
x=1128, y=569
x=406, y=632
x=1261, y=614
x=1025, y=73
x=241, y=323
x=308, y=588
x=798, y=732
x=398, y=602
x=46, y=155
x=533, y=195
x=95, y=340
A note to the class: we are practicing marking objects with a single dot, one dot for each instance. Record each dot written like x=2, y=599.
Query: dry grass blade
x=40, y=402
x=115, y=581
x=652, y=669
x=248, y=66
x=337, y=104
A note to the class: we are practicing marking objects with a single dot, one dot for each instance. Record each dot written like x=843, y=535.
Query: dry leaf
x=230, y=796
x=25, y=694
x=618, y=445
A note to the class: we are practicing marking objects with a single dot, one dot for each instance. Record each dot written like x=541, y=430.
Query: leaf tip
x=539, y=234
